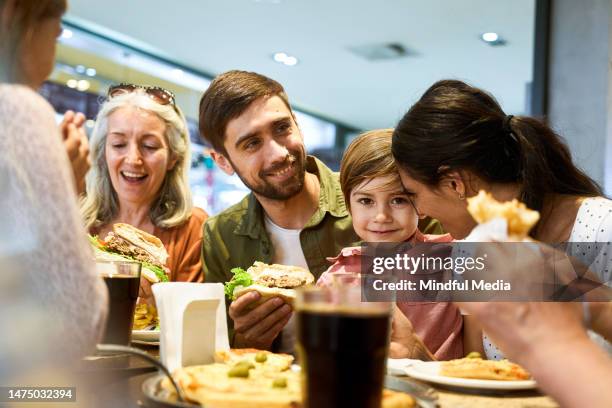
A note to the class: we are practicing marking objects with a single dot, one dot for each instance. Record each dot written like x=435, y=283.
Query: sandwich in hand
x=520, y=219
x=128, y=243
x=269, y=280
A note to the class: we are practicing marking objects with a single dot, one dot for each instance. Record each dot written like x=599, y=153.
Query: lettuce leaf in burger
x=241, y=278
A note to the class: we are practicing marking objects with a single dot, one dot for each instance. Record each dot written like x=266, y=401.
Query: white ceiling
x=215, y=36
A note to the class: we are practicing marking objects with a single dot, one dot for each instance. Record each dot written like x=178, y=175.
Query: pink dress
x=438, y=324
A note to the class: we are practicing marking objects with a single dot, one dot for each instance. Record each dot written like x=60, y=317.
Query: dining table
x=118, y=382
x=449, y=397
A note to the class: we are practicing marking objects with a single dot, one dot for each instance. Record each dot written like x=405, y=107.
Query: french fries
x=144, y=316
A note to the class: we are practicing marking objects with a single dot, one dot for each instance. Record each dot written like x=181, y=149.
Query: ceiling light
x=490, y=37
x=66, y=33
x=83, y=85
x=91, y=72
x=280, y=57
x=71, y=83
x=290, y=61
x=80, y=69
x=284, y=58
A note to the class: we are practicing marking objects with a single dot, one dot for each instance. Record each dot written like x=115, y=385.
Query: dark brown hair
x=24, y=15
x=455, y=126
x=367, y=157
x=227, y=97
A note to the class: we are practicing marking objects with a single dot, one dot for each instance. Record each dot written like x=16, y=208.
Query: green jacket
x=237, y=237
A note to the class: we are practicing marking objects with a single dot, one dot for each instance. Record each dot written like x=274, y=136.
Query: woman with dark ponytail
x=455, y=141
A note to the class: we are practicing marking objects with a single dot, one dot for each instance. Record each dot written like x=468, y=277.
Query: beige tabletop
x=458, y=400
x=455, y=398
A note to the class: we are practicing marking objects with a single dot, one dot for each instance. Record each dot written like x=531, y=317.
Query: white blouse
x=592, y=236
x=52, y=303
x=591, y=241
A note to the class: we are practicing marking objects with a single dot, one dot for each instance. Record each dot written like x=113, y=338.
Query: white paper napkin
x=493, y=230
x=192, y=322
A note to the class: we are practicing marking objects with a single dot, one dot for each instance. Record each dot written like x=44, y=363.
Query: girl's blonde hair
x=367, y=157
x=173, y=204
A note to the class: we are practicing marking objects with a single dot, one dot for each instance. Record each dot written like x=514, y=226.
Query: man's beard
x=290, y=187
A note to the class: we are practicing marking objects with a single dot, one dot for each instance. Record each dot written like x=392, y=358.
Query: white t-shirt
x=287, y=251
x=286, y=243
x=593, y=227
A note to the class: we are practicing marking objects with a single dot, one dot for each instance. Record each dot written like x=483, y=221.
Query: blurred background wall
x=347, y=65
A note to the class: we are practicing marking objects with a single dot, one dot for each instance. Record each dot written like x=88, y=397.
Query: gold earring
x=461, y=197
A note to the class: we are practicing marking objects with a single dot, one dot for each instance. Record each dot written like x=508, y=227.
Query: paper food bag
x=192, y=322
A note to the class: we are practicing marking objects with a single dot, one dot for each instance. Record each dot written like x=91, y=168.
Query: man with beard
x=295, y=213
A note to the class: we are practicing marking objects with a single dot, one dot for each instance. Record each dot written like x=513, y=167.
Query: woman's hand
x=518, y=328
x=404, y=342
x=548, y=339
x=145, y=294
x=77, y=147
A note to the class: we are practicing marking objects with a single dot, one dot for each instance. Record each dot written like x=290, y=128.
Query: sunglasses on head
x=159, y=95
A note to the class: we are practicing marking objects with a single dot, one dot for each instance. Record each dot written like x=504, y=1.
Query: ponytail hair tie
x=506, y=125
x=508, y=129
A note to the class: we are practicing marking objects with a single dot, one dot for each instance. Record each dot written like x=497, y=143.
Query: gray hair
x=173, y=204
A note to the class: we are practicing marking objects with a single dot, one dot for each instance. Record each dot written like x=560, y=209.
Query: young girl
x=382, y=212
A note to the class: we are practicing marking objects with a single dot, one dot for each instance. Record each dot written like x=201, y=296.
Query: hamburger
x=269, y=281
x=128, y=243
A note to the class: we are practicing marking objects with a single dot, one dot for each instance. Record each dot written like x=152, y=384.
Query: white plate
x=397, y=366
x=148, y=336
x=429, y=371
x=145, y=343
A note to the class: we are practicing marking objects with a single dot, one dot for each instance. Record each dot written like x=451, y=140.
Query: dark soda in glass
x=343, y=356
x=122, y=295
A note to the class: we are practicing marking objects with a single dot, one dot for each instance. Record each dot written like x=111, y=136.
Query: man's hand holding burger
x=258, y=327
x=262, y=297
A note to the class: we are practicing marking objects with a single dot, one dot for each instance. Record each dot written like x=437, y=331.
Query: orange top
x=184, y=246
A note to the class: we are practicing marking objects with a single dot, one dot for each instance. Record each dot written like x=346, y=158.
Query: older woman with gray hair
x=139, y=176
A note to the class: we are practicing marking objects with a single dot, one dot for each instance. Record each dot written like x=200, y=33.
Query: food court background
x=347, y=66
